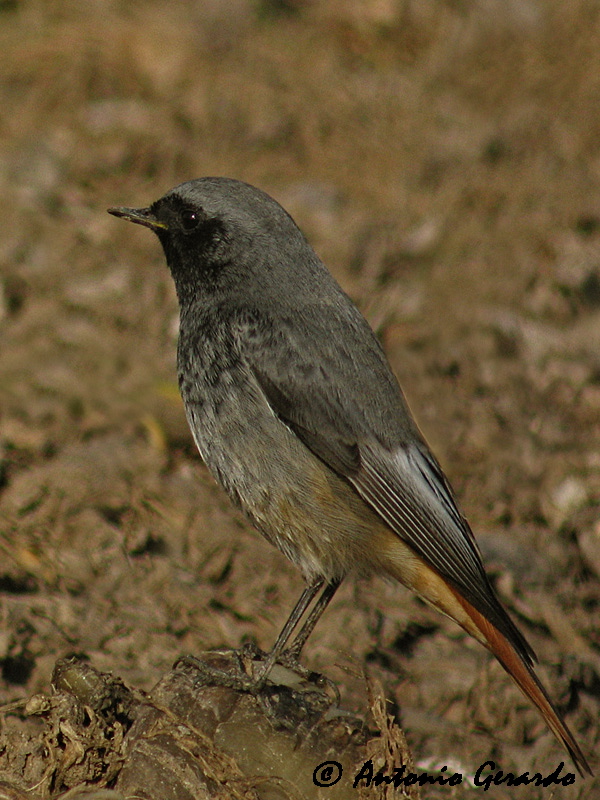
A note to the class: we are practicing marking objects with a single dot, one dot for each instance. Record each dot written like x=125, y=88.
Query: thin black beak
x=141, y=216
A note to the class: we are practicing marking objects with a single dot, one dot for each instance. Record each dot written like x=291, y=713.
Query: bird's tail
x=526, y=679
x=440, y=594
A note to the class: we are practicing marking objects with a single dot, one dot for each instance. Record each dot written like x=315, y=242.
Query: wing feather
x=426, y=517
x=350, y=412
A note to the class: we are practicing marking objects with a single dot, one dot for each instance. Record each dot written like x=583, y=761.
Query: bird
x=296, y=411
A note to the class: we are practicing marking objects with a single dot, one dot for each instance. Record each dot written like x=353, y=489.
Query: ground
x=444, y=160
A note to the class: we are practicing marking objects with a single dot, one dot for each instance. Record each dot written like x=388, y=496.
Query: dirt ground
x=443, y=157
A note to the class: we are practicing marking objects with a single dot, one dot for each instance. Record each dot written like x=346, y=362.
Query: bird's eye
x=189, y=220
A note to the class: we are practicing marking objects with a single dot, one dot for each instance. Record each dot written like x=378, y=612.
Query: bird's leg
x=292, y=653
x=253, y=683
x=288, y=657
x=279, y=647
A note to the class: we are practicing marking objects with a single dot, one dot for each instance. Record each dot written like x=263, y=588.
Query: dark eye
x=189, y=219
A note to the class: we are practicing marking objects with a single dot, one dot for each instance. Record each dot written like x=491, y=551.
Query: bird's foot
x=249, y=669
x=232, y=669
x=290, y=660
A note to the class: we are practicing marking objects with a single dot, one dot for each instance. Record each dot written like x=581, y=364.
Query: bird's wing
x=349, y=411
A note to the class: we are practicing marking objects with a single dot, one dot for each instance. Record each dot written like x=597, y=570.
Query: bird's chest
x=288, y=493
x=243, y=443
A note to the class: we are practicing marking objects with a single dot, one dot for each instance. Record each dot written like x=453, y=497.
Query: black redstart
x=295, y=410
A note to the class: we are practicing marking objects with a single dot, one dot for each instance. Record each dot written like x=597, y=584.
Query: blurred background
x=443, y=157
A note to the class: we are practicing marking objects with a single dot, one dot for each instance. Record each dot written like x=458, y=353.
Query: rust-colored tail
x=516, y=656
x=526, y=679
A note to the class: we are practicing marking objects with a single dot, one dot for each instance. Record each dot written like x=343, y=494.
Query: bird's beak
x=142, y=216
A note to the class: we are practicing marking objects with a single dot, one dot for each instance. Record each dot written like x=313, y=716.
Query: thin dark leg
x=315, y=615
x=216, y=676
x=305, y=600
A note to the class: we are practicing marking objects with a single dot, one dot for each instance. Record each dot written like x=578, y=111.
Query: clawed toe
x=248, y=669
x=234, y=676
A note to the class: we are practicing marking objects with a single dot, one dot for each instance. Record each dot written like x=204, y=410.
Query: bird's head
x=221, y=232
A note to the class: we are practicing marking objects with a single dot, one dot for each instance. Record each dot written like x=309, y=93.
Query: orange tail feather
x=526, y=679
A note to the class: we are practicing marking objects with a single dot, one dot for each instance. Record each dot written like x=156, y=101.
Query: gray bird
x=295, y=410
